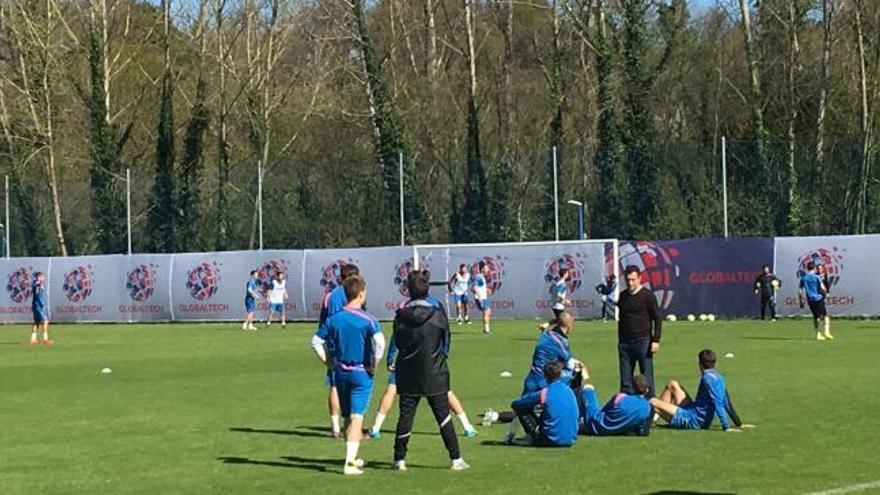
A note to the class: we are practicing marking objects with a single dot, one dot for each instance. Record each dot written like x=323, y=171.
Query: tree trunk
x=821, y=126
x=859, y=221
x=223, y=220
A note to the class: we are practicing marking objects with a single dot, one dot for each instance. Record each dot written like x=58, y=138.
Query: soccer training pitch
x=207, y=408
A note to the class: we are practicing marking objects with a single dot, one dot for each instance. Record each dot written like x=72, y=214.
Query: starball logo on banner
x=202, y=283
x=19, y=285
x=140, y=283
x=658, y=267
x=399, y=278
x=494, y=279
x=575, y=264
x=78, y=285
x=831, y=258
x=331, y=277
x=265, y=275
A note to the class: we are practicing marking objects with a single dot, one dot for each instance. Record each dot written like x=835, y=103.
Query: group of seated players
x=556, y=405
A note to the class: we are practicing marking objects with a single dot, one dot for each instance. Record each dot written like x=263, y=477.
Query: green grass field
x=209, y=409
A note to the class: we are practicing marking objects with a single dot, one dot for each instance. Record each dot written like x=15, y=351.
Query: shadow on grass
x=297, y=433
x=326, y=430
x=312, y=464
x=802, y=339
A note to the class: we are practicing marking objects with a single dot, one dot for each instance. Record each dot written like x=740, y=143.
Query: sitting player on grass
x=624, y=414
x=683, y=413
x=557, y=424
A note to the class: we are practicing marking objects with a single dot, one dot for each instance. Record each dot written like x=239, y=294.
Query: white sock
x=486, y=327
x=380, y=418
x=33, y=336
x=334, y=422
x=351, y=451
x=464, y=422
x=827, y=326
x=244, y=326
x=45, y=335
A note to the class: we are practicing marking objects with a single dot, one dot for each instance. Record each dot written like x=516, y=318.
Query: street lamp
x=581, y=206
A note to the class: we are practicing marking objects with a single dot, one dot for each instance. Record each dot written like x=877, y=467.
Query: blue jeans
x=631, y=352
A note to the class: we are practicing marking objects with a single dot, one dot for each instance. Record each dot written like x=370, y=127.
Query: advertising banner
x=87, y=288
x=144, y=280
x=18, y=278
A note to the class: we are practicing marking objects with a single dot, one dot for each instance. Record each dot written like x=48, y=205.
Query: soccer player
x=480, y=289
x=458, y=284
x=334, y=301
x=638, y=331
x=813, y=289
x=250, y=301
x=767, y=284
x=624, y=414
x=558, y=299
x=40, y=310
x=355, y=344
x=552, y=346
x=608, y=290
x=557, y=425
x=681, y=412
x=277, y=298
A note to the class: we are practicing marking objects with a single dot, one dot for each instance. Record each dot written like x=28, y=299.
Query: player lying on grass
x=277, y=298
x=354, y=345
x=552, y=346
x=624, y=414
x=558, y=298
x=333, y=303
x=40, y=309
x=391, y=392
x=557, y=423
x=458, y=285
x=681, y=412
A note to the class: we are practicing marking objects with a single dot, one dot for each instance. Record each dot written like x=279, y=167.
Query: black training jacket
x=421, y=333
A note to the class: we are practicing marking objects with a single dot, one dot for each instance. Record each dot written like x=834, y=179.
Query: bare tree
x=828, y=9
x=861, y=190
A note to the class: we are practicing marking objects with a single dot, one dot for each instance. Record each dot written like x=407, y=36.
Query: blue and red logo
x=78, y=283
x=331, y=275
x=658, y=267
x=140, y=282
x=574, y=266
x=19, y=284
x=266, y=272
x=831, y=259
x=402, y=269
x=203, y=280
x=495, y=264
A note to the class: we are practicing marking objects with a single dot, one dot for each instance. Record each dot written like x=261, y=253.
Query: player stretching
x=558, y=298
x=388, y=399
x=458, y=285
x=355, y=345
x=250, y=301
x=277, y=298
x=333, y=303
x=480, y=289
x=624, y=414
x=557, y=424
x=813, y=289
x=552, y=346
x=683, y=413
x=41, y=312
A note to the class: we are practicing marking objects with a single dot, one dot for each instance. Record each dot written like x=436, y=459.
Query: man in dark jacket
x=766, y=284
x=421, y=334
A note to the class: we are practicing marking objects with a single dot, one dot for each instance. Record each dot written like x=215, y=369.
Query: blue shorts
x=40, y=316
x=328, y=380
x=355, y=388
x=276, y=308
x=534, y=382
x=250, y=305
x=392, y=378
x=483, y=304
x=685, y=419
x=461, y=298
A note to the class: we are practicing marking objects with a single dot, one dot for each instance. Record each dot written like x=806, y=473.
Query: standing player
x=608, y=290
x=332, y=304
x=40, y=310
x=480, y=289
x=250, y=301
x=558, y=298
x=277, y=298
x=458, y=285
x=813, y=289
x=355, y=344
x=767, y=284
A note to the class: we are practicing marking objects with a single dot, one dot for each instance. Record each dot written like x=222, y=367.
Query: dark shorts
x=818, y=308
x=40, y=316
x=276, y=308
x=250, y=305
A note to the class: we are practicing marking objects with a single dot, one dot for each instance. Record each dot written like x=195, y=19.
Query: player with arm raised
x=458, y=285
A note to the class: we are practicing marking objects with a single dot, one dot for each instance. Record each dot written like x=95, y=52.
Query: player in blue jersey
x=558, y=298
x=391, y=392
x=40, y=308
x=458, y=285
x=624, y=414
x=814, y=290
x=552, y=346
x=334, y=301
x=681, y=412
x=481, y=291
x=250, y=301
x=557, y=424
x=354, y=345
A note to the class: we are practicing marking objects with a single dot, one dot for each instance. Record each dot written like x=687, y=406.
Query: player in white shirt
x=277, y=298
x=480, y=288
x=558, y=298
x=458, y=285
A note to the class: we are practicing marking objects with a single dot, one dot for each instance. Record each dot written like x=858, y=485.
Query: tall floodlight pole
x=260, y=200
x=581, y=206
x=724, y=181
x=555, y=194
x=400, y=193
x=128, y=206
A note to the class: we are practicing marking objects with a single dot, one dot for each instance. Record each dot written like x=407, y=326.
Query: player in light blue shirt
x=683, y=413
x=813, y=289
x=353, y=346
x=558, y=298
x=624, y=414
x=552, y=346
x=458, y=285
x=481, y=291
x=40, y=309
x=250, y=301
